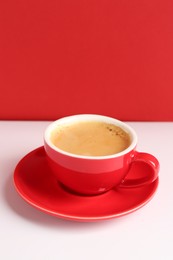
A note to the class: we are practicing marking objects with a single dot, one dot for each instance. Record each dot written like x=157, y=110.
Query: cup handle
x=146, y=159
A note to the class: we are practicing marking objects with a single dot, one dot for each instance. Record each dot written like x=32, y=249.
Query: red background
x=64, y=57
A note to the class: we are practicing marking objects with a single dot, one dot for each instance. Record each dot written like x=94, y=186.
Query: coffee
x=90, y=138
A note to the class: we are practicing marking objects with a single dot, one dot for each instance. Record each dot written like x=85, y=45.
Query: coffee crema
x=90, y=138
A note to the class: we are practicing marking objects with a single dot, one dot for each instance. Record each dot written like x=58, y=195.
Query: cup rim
x=90, y=117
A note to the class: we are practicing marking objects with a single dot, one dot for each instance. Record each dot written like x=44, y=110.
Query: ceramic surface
x=38, y=186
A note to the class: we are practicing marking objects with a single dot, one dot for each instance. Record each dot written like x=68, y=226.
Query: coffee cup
x=92, y=154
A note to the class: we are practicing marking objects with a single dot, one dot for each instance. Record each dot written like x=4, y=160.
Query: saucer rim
x=72, y=217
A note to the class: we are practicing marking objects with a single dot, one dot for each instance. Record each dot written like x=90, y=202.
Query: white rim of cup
x=90, y=117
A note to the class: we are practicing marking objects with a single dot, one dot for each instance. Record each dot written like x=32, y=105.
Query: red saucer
x=36, y=185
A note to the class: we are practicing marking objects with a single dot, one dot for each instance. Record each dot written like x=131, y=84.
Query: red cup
x=93, y=175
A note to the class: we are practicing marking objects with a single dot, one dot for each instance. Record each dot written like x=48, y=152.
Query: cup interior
x=89, y=117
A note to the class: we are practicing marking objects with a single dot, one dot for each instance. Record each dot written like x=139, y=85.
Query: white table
x=27, y=233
